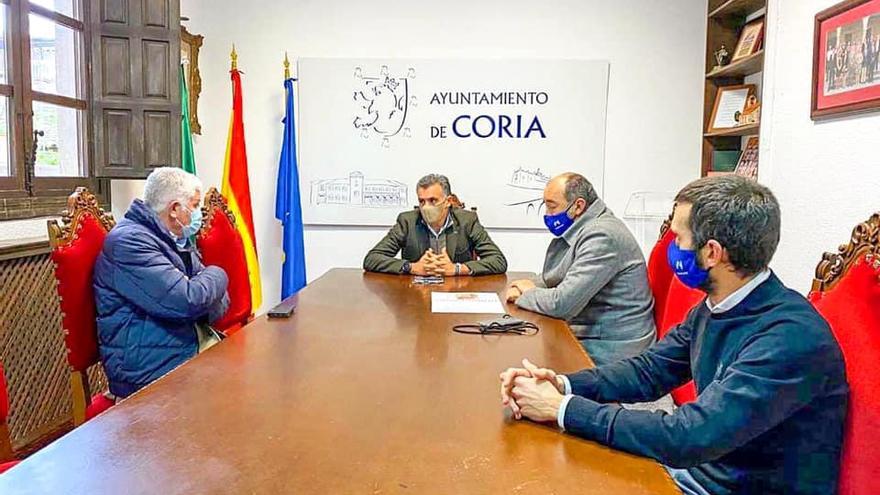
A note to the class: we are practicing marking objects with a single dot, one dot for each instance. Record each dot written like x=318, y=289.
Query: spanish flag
x=236, y=189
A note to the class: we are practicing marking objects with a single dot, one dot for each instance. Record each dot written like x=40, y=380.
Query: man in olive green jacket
x=436, y=239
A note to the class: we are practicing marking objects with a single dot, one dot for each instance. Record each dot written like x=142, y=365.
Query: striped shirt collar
x=445, y=225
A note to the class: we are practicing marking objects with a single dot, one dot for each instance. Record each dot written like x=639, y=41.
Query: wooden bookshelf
x=743, y=130
x=735, y=8
x=724, y=22
x=741, y=68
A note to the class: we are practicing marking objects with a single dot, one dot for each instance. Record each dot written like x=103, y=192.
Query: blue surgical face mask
x=195, y=223
x=560, y=222
x=684, y=263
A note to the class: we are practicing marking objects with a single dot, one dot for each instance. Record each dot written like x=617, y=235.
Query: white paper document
x=466, y=302
x=732, y=101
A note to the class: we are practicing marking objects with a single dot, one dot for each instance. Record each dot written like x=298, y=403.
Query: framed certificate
x=729, y=101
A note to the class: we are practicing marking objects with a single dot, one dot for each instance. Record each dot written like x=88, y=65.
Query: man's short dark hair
x=740, y=214
x=577, y=186
x=431, y=179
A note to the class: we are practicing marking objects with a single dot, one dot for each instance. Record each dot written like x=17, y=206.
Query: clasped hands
x=533, y=392
x=518, y=288
x=432, y=263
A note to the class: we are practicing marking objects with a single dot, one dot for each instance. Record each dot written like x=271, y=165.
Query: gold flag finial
x=286, y=67
x=234, y=57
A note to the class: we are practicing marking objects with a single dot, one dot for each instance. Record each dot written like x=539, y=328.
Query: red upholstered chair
x=846, y=291
x=75, y=247
x=6, y=461
x=221, y=245
x=672, y=299
x=659, y=272
x=680, y=300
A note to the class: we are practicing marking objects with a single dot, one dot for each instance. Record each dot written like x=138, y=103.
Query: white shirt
x=739, y=295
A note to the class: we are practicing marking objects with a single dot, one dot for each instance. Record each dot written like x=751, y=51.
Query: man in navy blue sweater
x=772, y=391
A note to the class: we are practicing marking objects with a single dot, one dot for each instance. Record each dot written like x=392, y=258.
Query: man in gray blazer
x=594, y=276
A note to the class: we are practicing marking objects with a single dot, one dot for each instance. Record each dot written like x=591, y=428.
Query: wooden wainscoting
x=33, y=354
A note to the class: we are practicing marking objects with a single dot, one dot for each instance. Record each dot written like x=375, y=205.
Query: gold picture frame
x=189, y=57
x=750, y=40
x=728, y=101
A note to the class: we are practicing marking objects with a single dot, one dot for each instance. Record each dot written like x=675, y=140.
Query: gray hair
x=742, y=215
x=577, y=186
x=431, y=179
x=168, y=184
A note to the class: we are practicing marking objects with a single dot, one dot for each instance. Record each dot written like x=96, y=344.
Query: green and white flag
x=187, y=157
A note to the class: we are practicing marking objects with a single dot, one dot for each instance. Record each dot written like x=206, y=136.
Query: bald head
x=566, y=189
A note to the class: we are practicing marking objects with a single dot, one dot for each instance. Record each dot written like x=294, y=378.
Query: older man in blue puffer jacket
x=152, y=291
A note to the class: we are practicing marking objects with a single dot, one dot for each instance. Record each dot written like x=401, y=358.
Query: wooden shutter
x=135, y=89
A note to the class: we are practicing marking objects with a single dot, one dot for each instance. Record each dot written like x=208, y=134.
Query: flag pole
x=234, y=57
x=286, y=67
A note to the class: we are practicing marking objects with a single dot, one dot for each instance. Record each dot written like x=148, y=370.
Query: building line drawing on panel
x=357, y=191
x=533, y=180
x=525, y=179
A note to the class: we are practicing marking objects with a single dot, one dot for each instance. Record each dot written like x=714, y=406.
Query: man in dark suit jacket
x=436, y=239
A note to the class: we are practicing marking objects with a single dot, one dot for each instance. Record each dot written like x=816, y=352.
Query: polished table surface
x=363, y=390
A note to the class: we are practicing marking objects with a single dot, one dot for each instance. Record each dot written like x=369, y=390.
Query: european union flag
x=287, y=205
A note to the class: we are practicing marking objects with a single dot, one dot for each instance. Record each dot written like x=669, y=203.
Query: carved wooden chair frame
x=454, y=202
x=667, y=224
x=213, y=199
x=865, y=241
x=79, y=204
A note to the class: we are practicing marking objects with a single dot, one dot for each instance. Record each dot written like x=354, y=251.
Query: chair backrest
x=846, y=291
x=76, y=243
x=221, y=245
x=454, y=202
x=680, y=300
x=659, y=273
x=672, y=299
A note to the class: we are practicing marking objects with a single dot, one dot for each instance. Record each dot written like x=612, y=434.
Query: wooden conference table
x=363, y=390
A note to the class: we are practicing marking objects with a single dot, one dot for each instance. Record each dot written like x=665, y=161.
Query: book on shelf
x=748, y=162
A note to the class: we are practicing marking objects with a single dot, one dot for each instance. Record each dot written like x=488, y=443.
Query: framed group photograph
x=846, y=59
x=750, y=40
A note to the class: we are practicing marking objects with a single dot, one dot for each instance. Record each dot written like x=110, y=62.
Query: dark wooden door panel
x=114, y=11
x=115, y=75
x=156, y=14
x=159, y=142
x=118, y=147
x=136, y=100
x=157, y=83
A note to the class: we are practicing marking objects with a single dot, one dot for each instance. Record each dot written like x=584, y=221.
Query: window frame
x=23, y=194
